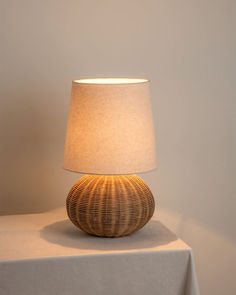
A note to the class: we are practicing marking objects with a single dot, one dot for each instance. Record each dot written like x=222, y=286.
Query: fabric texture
x=110, y=129
x=45, y=254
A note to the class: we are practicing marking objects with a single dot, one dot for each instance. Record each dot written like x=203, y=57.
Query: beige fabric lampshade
x=110, y=127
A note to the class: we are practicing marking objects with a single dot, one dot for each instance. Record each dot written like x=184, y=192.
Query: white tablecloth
x=44, y=254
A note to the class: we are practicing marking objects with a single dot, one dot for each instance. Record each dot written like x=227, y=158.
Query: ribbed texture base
x=110, y=206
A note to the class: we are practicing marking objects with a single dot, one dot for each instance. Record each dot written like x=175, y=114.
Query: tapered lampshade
x=110, y=127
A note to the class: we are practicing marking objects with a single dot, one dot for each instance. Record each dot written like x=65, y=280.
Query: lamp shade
x=110, y=127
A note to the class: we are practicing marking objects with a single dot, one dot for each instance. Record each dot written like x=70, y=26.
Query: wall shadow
x=32, y=138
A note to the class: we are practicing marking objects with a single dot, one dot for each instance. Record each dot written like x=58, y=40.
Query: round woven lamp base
x=110, y=206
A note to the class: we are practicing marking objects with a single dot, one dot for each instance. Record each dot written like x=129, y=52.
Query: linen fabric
x=110, y=128
x=46, y=254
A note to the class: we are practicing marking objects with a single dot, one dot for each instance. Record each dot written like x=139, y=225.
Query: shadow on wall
x=32, y=141
x=214, y=250
x=183, y=225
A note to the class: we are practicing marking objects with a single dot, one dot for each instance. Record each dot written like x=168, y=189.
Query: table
x=45, y=254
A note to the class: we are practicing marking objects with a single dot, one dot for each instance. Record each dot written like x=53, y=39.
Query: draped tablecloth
x=44, y=254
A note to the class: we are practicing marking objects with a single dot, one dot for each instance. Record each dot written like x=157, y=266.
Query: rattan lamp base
x=110, y=205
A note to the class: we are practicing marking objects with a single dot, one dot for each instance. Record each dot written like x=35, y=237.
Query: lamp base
x=110, y=205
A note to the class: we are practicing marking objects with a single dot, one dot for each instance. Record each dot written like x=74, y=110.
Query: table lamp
x=110, y=137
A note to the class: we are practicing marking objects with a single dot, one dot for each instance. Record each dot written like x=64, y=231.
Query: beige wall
x=187, y=49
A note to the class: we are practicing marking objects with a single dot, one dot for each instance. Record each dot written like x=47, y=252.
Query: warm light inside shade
x=110, y=127
x=110, y=81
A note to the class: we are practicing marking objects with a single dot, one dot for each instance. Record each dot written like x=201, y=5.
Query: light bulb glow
x=111, y=81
